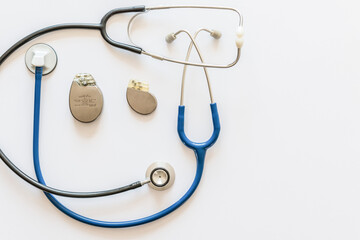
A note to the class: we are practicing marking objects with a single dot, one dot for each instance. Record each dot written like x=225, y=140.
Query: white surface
x=286, y=165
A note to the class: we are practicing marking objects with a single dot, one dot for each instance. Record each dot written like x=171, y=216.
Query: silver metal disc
x=161, y=175
x=85, y=98
x=50, y=58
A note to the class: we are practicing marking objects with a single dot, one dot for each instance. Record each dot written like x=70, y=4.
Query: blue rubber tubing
x=199, y=149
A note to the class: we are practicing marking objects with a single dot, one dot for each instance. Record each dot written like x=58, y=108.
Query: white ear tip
x=239, y=42
x=216, y=34
x=240, y=32
x=170, y=38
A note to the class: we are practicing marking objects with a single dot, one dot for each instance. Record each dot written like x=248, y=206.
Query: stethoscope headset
x=41, y=59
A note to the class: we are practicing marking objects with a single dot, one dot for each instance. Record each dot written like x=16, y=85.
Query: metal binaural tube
x=193, y=43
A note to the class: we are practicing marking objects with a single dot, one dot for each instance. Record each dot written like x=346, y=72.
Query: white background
x=286, y=165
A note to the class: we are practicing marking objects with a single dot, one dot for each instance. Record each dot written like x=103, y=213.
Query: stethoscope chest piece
x=85, y=99
x=43, y=55
x=161, y=175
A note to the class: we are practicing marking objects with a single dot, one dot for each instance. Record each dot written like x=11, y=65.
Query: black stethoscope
x=160, y=176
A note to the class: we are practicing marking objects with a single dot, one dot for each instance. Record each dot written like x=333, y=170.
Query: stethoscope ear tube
x=93, y=26
x=106, y=18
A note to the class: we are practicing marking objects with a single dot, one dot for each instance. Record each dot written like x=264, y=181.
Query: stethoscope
x=159, y=176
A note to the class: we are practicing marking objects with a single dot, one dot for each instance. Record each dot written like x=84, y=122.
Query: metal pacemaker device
x=139, y=98
x=85, y=99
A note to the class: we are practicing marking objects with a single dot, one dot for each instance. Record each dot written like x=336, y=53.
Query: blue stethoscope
x=40, y=68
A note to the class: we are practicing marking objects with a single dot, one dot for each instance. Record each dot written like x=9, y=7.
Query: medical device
x=139, y=98
x=41, y=59
x=85, y=98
